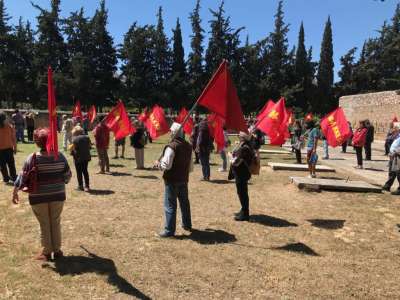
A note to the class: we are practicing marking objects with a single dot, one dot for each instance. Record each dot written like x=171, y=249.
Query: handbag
x=29, y=177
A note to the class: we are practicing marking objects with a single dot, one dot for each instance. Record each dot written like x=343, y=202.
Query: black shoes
x=396, y=193
x=165, y=235
x=386, y=188
x=242, y=216
x=187, y=228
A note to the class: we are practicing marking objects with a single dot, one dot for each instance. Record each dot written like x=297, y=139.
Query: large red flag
x=188, y=127
x=335, y=128
x=52, y=141
x=265, y=110
x=274, y=124
x=118, y=122
x=156, y=123
x=220, y=96
x=91, y=114
x=143, y=116
x=216, y=125
x=77, y=111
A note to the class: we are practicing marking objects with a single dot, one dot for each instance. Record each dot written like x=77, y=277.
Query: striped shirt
x=52, y=175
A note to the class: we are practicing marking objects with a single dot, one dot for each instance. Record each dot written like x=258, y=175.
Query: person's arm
x=14, y=140
x=166, y=161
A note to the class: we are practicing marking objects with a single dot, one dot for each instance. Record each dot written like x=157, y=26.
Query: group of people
x=47, y=195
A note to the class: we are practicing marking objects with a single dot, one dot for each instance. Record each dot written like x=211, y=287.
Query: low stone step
x=298, y=167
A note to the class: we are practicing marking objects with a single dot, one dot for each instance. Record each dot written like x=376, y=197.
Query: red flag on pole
x=265, y=110
x=77, y=111
x=216, y=125
x=188, y=127
x=143, y=116
x=118, y=122
x=92, y=114
x=274, y=123
x=52, y=141
x=220, y=97
x=156, y=123
x=335, y=128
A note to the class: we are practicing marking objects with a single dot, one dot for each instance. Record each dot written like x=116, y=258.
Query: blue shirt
x=395, y=147
x=312, y=137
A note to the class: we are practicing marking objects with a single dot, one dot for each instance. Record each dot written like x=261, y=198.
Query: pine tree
x=195, y=63
x=325, y=74
x=6, y=55
x=302, y=70
x=347, y=85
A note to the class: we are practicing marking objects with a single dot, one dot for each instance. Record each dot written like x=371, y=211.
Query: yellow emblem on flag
x=273, y=115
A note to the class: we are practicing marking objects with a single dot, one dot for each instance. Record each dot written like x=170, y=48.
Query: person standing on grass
x=242, y=158
x=176, y=162
x=118, y=143
x=102, y=138
x=297, y=140
x=19, y=124
x=30, y=125
x=204, y=146
x=348, y=141
x=47, y=200
x=194, y=137
x=394, y=155
x=222, y=153
x=67, y=127
x=8, y=147
x=369, y=139
x=325, y=146
x=80, y=150
x=359, y=138
x=312, y=144
x=138, y=141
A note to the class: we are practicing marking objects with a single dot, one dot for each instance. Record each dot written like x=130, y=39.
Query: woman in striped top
x=47, y=200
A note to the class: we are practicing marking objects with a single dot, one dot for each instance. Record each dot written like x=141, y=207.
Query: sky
x=353, y=21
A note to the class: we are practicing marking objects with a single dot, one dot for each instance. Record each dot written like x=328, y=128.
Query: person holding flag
x=176, y=162
x=138, y=141
x=204, y=146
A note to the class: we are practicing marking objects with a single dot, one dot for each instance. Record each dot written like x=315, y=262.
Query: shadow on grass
x=298, y=248
x=209, y=237
x=101, y=192
x=271, y=221
x=375, y=170
x=146, y=177
x=120, y=174
x=77, y=265
x=336, y=158
x=117, y=166
x=221, y=181
x=327, y=224
x=398, y=227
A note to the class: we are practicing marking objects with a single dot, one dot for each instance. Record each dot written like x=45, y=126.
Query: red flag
x=274, y=123
x=308, y=117
x=77, y=111
x=156, y=123
x=290, y=117
x=220, y=96
x=335, y=128
x=216, y=125
x=118, y=122
x=52, y=141
x=143, y=116
x=265, y=110
x=188, y=127
x=92, y=114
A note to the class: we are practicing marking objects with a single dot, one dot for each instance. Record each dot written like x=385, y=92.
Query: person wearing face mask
x=176, y=162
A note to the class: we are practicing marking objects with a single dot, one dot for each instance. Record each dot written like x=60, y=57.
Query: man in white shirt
x=176, y=162
x=394, y=151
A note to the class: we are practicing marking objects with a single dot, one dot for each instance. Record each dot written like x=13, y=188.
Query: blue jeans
x=172, y=192
x=19, y=132
x=205, y=164
x=224, y=161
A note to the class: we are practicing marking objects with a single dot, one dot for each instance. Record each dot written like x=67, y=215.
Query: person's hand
x=15, y=198
x=156, y=164
x=15, y=150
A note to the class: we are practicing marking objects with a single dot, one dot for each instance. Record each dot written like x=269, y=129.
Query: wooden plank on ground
x=298, y=167
x=335, y=185
x=272, y=151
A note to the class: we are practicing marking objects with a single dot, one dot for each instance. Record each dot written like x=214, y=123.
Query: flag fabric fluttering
x=91, y=114
x=52, y=141
x=216, y=125
x=188, y=126
x=335, y=128
x=144, y=116
x=118, y=121
x=156, y=123
x=265, y=110
x=77, y=111
x=220, y=97
x=274, y=124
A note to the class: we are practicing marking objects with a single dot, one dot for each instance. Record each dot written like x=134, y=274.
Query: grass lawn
x=297, y=245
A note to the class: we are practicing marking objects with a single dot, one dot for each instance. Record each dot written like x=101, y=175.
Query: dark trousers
x=298, y=155
x=359, y=155
x=392, y=177
x=243, y=193
x=367, y=151
x=30, y=133
x=7, y=165
x=174, y=191
x=196, y=158
x=344, y=147
x=388, y=143
x=205, y=164
x=82, y=171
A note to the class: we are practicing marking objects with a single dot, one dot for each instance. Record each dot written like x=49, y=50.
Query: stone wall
x=379, y=108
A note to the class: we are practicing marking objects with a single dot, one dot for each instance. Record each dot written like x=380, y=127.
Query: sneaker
x=242, y=217
x=222, y=170
x=187, y=228
x=396, y=192
x=59, y=254
x=87, y=189
x=386, y=188
x=165, y=235
x=79, y=188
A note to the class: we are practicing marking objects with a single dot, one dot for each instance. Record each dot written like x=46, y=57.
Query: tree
x=347, y=85
x=325, y=74
x=195, y=62
x=6, y=54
